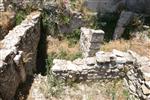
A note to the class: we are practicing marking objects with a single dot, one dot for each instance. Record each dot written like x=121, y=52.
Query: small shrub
x=55, y=85
x=73, y=37
x=75, y=56
x=20, y=16
x=126, y=94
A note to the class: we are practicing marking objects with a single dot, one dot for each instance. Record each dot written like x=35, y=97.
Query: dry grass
x=54, y=45
x=96, y=90
x=139, y=46
x=5, y=18
x=1, y=45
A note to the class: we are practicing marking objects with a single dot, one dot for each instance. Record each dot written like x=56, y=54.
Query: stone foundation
x=133, y=68
x=18, y=55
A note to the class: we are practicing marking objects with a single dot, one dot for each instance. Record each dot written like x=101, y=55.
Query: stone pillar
x=124, y=20
x=90, y=41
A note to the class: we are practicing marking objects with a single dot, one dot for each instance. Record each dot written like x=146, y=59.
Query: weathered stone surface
x=102, y=57
x=90, y=61
x=100, y=5
x=138, y=6
x=24, y=41
x=90, y=41
x=145, y=72
x=124, y=20
x=147, y=83
x=18, y=56
x=145, y=89
x=117, y=56
x=110, y=65
x=9, y=77
x=2, y=8
x=132, y=88
x=101, y=66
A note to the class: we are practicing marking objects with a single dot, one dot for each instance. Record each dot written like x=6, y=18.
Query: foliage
x=20, y=16
x=73, y=37
x=55, y=84
x=55, y=16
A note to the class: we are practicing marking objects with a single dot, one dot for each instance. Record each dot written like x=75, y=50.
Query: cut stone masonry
x=104, y=65
x=90, y=41
x=133, y=68
x=18, y=55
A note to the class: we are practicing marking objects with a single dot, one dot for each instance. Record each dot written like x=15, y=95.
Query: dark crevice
x=42, y=52
x=23, y=89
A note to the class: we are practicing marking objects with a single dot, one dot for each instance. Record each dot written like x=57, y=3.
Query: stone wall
x=133, y=68
x=100, y=5
x=138, y=6
x=18, y=55
x=105, y=65
x=90, y=41
x=138, y=78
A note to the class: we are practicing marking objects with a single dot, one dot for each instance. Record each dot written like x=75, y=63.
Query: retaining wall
x=18, y=55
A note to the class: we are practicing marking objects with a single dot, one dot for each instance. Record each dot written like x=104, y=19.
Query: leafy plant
x=73, y=37
x=55, y=85
x=20, y=16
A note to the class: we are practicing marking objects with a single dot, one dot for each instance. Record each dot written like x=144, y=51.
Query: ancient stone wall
x=18, y=55
x=137, y=78
x=138, y=6
x=133, y=68
x=100, y=5
x=105, y=65
x=90, y=41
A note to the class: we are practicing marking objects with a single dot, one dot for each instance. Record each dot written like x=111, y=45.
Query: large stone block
x=90, y=41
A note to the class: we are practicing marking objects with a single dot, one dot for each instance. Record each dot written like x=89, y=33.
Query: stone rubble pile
x=103, y=65
x=90, y=41
x=138, y=78
x=18, y=55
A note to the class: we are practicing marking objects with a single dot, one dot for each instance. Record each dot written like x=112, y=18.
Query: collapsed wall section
x=137, y=78
x=18, y=55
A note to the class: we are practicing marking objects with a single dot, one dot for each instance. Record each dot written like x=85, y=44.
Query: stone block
x=145, y=90
x=90, y=41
